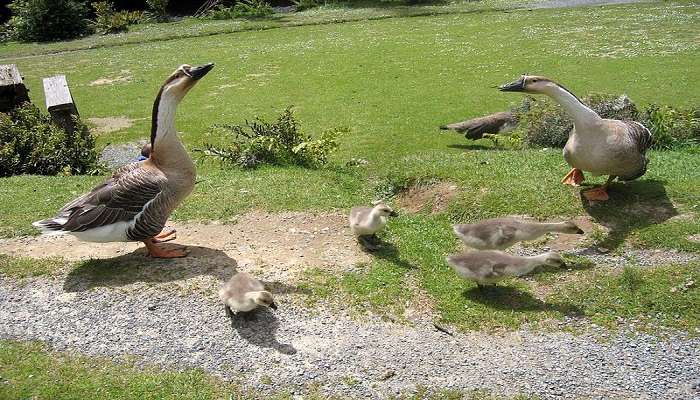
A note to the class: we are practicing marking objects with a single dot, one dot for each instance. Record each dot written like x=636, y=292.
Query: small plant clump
x=109, y=21
x=242, y=9
x=301, y=5
x=279, y=143
x=672, y=127
x=30, y=143
x=158, y=9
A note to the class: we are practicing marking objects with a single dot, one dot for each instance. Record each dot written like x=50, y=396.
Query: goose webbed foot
x=155, y=251
x=600, y=193
x=573, y=178
x=229, y=313
x=166, y=235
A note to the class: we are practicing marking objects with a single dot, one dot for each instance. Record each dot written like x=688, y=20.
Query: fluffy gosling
x=244, y=293
x=501, y=233
x=365, y=222
x=490, y=266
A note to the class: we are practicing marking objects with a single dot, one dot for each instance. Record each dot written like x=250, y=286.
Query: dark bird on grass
x=475, y=128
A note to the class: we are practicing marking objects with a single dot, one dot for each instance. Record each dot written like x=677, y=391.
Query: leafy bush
x=31, y=144
x=672, y=127
x=302, y=5
x=158, y=9
x=544, y=123
x=109, y=21
x=280, y=142
x=45, y=20
x=242, y=9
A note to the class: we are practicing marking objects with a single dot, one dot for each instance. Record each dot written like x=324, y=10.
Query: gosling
x=501, y=233
x=244, y=293
x=365, y=222
x=490, y=266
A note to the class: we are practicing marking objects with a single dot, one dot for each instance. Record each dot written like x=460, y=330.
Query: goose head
x=570, y=227
x=382, y=210
x=528, y=84
x=184, y=78
x=552, y=259
x=264, y=298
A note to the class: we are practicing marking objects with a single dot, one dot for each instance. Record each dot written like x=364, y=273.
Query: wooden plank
x=59, y=102
x=9, y=75
x=58, y=96
x=12, y=89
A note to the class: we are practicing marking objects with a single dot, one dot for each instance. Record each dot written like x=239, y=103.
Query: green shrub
x=109, y=21
x=31, y=144
x=302, y=5
x=242, y=9
x=672, y=127
x=280, y=143
x=158, y=9
x=45, y=20
x=544, y=123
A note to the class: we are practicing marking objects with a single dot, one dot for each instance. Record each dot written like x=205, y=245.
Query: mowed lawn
x=392, y=82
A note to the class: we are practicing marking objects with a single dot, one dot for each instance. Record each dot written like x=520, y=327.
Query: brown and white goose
x=501, y=233
x=600, y=146
x=475, y=128
x=135, y=203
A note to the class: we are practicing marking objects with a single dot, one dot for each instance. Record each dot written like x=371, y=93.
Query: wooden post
x=12, y=89
x=59, y=102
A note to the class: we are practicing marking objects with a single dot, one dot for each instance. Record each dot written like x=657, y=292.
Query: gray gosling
x=501, y=233
x=365, y=222
x=490, y=266
x=244, y=293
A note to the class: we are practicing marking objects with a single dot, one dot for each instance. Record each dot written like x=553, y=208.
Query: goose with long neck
x=501, y=233
x=135, y=203
x=600, y=146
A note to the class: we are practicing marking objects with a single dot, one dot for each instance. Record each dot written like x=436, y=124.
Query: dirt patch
x=110, y=124
x=124, y=76
x=435, y=197
x=272, y=246
x=694, y=238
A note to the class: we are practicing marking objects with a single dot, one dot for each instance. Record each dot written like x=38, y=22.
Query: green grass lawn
x=392, y=82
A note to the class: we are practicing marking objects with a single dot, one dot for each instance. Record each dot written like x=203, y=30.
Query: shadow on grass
x=259, y=327
x=136, y=267
x=632, y=206
x=388, y=252
x=511, y=299
x=474, y=146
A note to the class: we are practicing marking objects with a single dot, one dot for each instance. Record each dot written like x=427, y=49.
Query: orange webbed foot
x=596, y=194
x=156, y=251
x=573, y=178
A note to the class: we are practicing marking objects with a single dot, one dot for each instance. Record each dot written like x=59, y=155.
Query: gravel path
x=295, y=347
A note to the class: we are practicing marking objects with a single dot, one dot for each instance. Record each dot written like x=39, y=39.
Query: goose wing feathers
x=476, y=128
x=640, y=135
x=121, y=198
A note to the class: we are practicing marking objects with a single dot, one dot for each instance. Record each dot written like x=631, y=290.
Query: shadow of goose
x=388, y=252
x=259, y=328
x=632, y=206
x=136, y=267
x=511, y=299
x=474, y=146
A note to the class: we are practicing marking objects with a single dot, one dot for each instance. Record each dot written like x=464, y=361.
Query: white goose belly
x=611, y=156
x=115, y=232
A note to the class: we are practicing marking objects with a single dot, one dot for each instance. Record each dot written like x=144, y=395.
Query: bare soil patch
x=110, y=124
x=123, y=76
x=274, y=247
x=435, y=197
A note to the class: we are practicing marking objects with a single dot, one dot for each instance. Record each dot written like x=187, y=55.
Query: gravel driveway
x=369, y=359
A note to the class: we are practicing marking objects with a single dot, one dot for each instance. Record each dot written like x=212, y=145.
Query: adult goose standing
x=135, y=203
x=600, y=146
x=475, y=128
x=501, y=233
x=490, y=266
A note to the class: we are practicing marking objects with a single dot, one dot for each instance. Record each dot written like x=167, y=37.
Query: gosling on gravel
x=501, y=233
x=365, y=222
x=243, y=293
x=490, y=266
